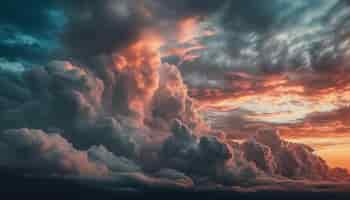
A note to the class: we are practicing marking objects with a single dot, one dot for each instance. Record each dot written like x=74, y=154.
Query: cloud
x=310, y=101
x=287, y=159
x=53, y=154
x=171, y=100
x=65, y=98
x=38, y=150
x=186, y=152
x=34, y=89
x=35, y=18
x=261, y=155
x=266, y=154
x=6, y=65
x=283, y=36
x=109, y=143
x=165, y=179
x=28, y=33
x=71, y=100
x=100, y=154
x=123, y=22
x=126, y=113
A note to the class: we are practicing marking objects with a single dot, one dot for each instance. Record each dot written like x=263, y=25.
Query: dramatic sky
x=148, y=92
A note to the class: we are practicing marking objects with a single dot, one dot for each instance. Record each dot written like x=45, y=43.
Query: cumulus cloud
x=283, y=158
x=49, y=90
x=38, y=150
x=64, y=98
x=186, y=152
x=70, y=101
x=53, y=154
x=171, y=100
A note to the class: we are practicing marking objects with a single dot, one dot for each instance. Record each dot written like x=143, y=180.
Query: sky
x=150, y=91
x=291, y=76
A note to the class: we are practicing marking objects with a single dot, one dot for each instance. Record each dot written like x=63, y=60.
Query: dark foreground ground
x=13, y=186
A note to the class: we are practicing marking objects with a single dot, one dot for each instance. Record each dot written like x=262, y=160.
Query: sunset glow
x=302, y=112
x=133, y=96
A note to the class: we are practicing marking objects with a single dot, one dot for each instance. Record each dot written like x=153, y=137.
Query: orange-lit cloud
x=189, y=32
x=277, y=98
x=189, y=29
x=139, y=62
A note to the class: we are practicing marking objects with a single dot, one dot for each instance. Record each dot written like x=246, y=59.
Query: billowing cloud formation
x=50, y=152
x=69, y=100
x=287, y=159
x=123, y=114
x=266, y=153
x=88, y=126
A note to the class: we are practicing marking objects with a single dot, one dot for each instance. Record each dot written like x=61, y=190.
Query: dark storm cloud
x=102, y=27
x=250, y=13
x=98, y=27
x=183, y=8
x=29, y=30
x=32, y=53
x=28, y=16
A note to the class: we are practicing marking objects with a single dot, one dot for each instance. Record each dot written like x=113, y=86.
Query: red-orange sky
x=303, y=110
